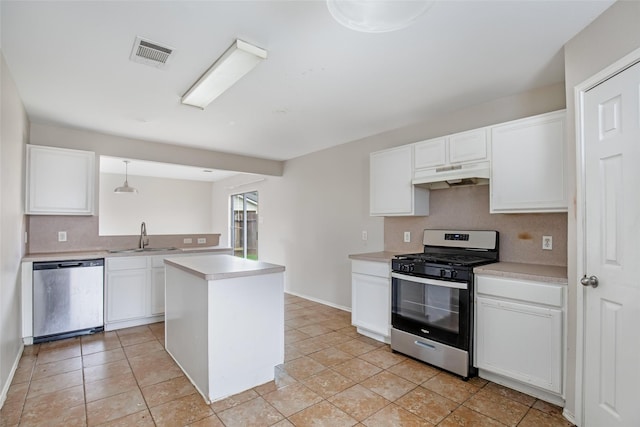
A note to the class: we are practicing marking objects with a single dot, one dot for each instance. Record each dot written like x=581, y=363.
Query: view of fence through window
x=244, y=225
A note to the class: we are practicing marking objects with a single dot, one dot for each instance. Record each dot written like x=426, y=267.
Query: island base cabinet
x=227, y=335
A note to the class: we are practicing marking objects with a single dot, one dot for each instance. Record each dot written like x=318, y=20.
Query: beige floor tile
x=322, y=414
x=128, y=339
x=55, y=383
x=69, y=417
x=388, y=385
x=427, y=404
x=451, y=387
x=146, y=347
x=110, y=386
x=59, y=367
x=210, y=421
x=55, y=401
x=314, y=330
x=10, y=413
x=464, y=416
x=393, y=415
x=139, y=419
x=310, y=345
x=180, y=412
x=235, y=400
x=356, y=369
x=303, y=367
x=359, y=402
x=536, y=418
x=25, y=370
x=114, y=407
x=153, y=370
x=414, y=371
x=108, y=370
x=157, y=394
x=58, y=353
x=525, y=399
x=334, y=338
x=327, y=383
x=355, y=347
x=103, y=357
x=291, y=399
x=383, y=358
x=498, y=407
x=291, y=353
x=254, y=413
x=330, y=356
x=294, y=335
x=282, y=379
x=548, y=408
x=59, y=344
x=100, y=342
x=283, y=423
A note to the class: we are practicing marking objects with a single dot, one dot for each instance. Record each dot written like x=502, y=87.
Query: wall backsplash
x=467, y=208
x=82, y=235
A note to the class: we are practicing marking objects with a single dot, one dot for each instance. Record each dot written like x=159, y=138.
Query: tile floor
x=332, y=376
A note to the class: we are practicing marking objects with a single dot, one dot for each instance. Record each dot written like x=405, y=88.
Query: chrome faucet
x=143, y=233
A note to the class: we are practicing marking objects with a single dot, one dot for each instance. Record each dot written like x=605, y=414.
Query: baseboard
x=547, y=396
x=330, y=304
x=134, y=322
x=5, y=387
x=569, y=417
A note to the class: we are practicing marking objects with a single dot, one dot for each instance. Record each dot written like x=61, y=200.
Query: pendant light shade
x=125, y=188
x=377, y=16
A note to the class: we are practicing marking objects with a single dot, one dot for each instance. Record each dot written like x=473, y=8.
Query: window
x=244, y=225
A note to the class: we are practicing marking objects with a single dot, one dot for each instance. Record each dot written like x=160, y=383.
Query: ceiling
x=322, y=84
x=137, y=167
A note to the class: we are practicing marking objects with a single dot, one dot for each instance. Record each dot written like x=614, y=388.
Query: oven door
x=435, y=309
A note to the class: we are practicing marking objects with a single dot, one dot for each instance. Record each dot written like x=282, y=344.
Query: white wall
x=610, y=37
x=167, y=206
x=14, y=127
x=313, y=217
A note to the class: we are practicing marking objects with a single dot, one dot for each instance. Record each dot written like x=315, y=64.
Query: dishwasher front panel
x=68, y=297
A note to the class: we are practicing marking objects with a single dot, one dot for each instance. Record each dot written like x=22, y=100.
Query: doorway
x=244, y=225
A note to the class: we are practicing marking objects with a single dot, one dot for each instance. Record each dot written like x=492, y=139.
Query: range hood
x=453, y=176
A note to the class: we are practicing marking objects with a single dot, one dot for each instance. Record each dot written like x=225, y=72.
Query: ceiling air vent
x=150, y=53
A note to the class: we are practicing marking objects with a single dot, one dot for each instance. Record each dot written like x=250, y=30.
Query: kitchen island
x=224, y=321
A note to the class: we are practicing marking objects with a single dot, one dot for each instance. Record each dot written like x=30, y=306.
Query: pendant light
x=125, y=188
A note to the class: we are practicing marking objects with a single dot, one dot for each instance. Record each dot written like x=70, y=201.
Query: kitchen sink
x=132, y=250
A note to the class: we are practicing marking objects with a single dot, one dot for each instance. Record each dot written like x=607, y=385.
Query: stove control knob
x=443, y=273
x=453, y=274
x=411, y=267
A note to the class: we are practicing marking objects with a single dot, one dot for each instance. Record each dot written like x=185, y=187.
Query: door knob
x=589, y=281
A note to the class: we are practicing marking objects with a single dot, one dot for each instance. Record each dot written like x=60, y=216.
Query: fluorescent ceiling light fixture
x=237, y=61
x=125, y=188
x=377, y=16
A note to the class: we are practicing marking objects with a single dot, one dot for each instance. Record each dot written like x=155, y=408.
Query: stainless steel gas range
x=432, y=297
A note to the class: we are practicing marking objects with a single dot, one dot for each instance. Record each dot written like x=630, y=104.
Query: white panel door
x=612, y=244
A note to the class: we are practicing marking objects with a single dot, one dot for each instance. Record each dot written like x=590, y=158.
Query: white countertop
x=515, y=270
x=103, y=253
x=383, y=256
x=218, y=267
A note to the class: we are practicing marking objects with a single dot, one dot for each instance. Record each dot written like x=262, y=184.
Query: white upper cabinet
x=457, y=148
x=391, y=190
x=59, y=181
x=528, y=165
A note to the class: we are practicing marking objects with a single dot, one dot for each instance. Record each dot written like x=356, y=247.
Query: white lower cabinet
x=127, y=290
x=520, y=335
x=157, y=285
x=371, y=298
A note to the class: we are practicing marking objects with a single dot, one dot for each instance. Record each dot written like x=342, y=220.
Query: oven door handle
x=425, y=281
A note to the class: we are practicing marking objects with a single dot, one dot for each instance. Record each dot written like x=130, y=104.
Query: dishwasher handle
x=55, y=265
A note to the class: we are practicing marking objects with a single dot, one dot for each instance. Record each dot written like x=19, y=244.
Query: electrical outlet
x=62, y=236
x=547, y=243
x=407, y=236
x=187, y=240
x=202, y=240
x=364, y=235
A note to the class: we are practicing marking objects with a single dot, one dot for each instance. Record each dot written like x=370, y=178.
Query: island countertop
x=218, y=267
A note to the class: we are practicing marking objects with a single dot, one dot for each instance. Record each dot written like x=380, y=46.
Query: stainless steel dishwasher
x=68, y=299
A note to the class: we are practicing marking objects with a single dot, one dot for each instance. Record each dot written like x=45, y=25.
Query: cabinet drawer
x=126, y=263
x=522, y=290
x=371, y=268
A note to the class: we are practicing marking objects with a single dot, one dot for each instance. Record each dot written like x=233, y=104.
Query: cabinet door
x=371, y=307
x=468, y=146
x=59, y=181
x=520, y=341
x=528, y=165
x=127, y=294
x=391, y=189
x=157, y=290
x=431, y=153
